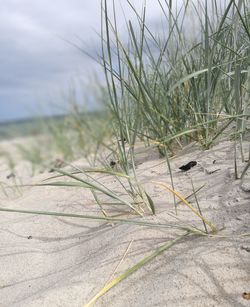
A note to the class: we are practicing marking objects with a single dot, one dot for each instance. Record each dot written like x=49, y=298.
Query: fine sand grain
x=55, y=261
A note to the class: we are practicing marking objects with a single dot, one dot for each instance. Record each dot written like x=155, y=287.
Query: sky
x=38, y=64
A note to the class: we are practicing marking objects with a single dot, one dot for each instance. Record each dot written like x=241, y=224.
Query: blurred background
x=40, y=56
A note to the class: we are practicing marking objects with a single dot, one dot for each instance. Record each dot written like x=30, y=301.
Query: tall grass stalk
x=167, y=87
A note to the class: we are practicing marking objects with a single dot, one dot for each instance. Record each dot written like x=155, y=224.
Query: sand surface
x=58, y=261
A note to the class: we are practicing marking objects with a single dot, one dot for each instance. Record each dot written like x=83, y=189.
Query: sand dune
x=57, y=261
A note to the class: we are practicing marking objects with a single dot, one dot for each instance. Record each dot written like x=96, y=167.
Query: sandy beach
x=61, y=261
x=125, y=154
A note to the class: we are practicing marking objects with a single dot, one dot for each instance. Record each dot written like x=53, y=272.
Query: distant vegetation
x=12, y=129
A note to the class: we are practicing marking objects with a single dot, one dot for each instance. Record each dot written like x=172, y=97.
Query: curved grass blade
x=91, y=185
x=106, y=219
x=135, y=268
x=90, y=170
x=182, y=198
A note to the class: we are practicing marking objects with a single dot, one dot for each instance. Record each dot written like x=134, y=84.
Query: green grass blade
x=135, y=268
x=101, y=218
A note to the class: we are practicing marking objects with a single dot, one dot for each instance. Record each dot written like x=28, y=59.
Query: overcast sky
x=36, y=63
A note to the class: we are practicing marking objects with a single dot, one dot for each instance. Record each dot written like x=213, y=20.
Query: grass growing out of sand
x=173, y=89
x=177, y=88
x=167, y=90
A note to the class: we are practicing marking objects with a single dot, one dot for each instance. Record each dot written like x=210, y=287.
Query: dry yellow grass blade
x=134, y=268
x=183, y=199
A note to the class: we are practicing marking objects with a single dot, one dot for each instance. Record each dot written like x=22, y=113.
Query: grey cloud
x=35, y=59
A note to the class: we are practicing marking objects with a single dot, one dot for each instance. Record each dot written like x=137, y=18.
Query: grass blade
x=134, y=268
x=182, y=198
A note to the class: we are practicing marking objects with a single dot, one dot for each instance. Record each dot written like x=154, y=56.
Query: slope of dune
x=62, y=261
